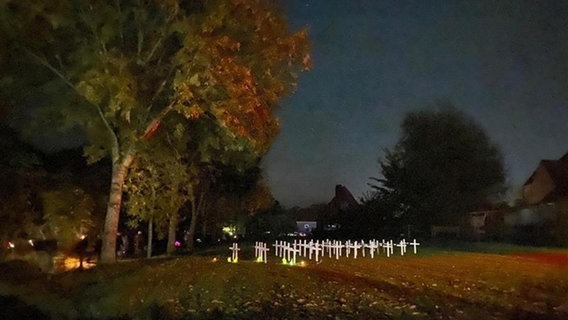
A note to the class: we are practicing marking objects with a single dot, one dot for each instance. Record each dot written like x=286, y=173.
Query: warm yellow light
x=230, y=230
x=71, y=263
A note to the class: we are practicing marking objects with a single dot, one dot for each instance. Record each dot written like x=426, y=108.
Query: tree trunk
x=171, y=248
x=150, y=239
x=119, y=169
x=204, y=229
x=193, y=223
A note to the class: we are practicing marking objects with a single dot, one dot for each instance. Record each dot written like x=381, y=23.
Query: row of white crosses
x=317, y=249
x=289, y=252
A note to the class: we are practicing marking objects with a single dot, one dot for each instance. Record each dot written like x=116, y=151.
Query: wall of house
x=539, y=187
x=532, y=225
x=559, y=226
x=535, y=215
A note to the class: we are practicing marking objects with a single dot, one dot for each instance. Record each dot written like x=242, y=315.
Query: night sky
x=505, y=63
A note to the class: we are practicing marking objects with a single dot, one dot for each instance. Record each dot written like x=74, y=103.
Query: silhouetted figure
x=81, y=250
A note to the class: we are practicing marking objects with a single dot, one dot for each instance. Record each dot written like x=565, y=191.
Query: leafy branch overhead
x=136, y=62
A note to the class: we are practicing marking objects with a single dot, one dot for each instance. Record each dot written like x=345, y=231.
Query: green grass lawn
x=434, y=284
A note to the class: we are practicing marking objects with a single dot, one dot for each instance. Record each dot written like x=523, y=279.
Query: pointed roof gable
x=557, y=170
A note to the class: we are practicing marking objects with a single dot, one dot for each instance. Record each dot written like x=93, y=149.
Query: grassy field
x=434, y=284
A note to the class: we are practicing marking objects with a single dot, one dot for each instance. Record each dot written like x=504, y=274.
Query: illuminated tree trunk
x=171, y=248
x=150, y=239
x=119, y=170
x=191, y=232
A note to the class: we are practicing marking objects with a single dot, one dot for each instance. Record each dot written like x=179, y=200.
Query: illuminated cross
x=261, y=252
x=414, y=244
x=303, y=244
x=278, y=246
x=373, y=245
x=402, y=246
x=257, y=249
x=337, y=247
x=286, y=248
x=235, y=253
x=295, y=250
x=388, y=247
x=314, y=247
x=327, y=245
x=356, y=246
x=347, y=248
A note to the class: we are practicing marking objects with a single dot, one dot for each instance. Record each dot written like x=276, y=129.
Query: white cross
x=381, y=245
x=261, y=252
x=402, y=245
x=257, y=245
x=373, y=245
x=329, y=246
x=355, y=247
x=278, y=246
x=301, y=247
x=288, y=251
x=348, y=247
x=338, y=248
x=414, y=244
x=295, y=251
x=235, y=252
x=315, y=247
x=388, y=247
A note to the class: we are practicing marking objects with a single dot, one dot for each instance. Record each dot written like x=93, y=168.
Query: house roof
x=558, y=172
x=343, y=200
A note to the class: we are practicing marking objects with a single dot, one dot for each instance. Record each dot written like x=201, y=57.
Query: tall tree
x=122, y=66
x=442, y=166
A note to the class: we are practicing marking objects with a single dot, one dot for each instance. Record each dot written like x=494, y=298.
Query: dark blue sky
x=505, y=63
